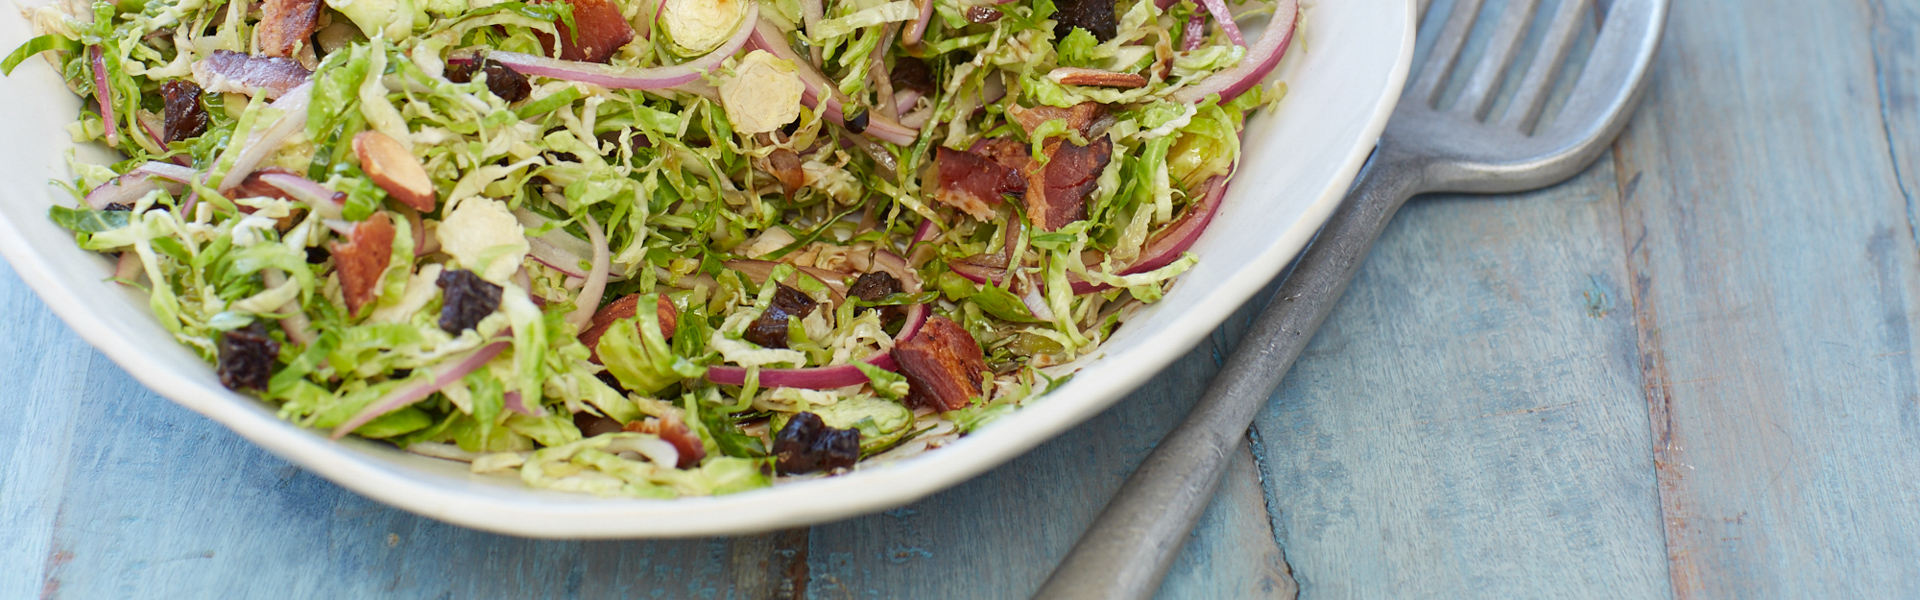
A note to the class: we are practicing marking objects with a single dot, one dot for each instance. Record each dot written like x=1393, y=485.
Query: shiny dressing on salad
x=653, y=247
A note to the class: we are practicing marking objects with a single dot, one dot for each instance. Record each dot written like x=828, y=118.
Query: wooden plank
x=1468, y=422
x=111, y=491
x=1774, y=279
x=1000, y=535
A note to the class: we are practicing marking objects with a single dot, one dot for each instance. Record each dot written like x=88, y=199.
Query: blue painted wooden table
x=1688, y=372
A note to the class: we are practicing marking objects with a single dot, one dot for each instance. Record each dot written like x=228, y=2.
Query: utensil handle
x=1133, y=542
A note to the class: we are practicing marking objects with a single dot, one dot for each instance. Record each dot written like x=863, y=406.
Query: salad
x=653, y=247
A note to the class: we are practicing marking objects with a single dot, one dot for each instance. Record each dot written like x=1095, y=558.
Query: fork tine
x=1613, y=76
x=1477, y=96
x=1446, y=49
x=1524, y=112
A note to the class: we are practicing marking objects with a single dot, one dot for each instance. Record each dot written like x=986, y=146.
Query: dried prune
x=466, y=300
x=911, y=73
x=502, y=80
x=807, y=445
x=770, y=330
x=591, y=424
x=1095, y=16
x=122, y=207
x=857, y=123
x=874, y=286
x=184, y=117
x=247, y=357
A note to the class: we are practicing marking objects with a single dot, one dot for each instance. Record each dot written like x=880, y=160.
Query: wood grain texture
x=1000, y=535
x=1774, y=282
x=1468, y=422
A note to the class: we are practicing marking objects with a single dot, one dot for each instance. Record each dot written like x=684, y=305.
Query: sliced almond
x=1096, y=77
x=394, y=169
x=362, y=260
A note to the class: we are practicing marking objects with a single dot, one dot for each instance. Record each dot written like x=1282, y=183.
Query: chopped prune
x=502, y=80
x=770, y=330
x=184, y=118
x=122, y=207
x=246, y=358
x=317, y=255
x=591, y=424
x=1095, y=16
x=875, y=286
x=858, y=122
x=983, y=15
x=807, y=445
x=911, y=73
x=467, y=300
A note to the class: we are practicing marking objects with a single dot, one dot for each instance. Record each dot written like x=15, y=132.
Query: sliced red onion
x=759, y=270
x=514, y=402
x=1195, y=32
x=263, y=142
x=905, y=100
x=104, y=93
x=327, y=203
x=444, y=374
x=226, y=71
x=1261, y=59
x=652, y=78
x=128, y=267
x=589, y=299
x=918, y=29
x=979, y=273
x=168, y=171
x=297, y=327
x=1225, y=18
x=137, y=183
x=927, y=231
x=558, y=249
x=825, y=378
x=1161, y=249
x=768, y=37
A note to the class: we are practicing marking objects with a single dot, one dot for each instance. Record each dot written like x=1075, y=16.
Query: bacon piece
x=603, y=30
x=1057, y=191
x=185, y=117
x=625, y=308
x=973, y=183
x=363, y=259
x=286, y=25
x=943, y=365
x=227, y=71
x=1083, y=117
x=674, y=431
x=784, y=165
x=1008, y=153
x=1096, y=77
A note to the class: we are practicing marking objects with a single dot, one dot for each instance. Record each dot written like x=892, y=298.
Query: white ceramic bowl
x=1344, y=74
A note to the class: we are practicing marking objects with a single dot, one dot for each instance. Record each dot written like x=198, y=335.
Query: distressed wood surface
x=1687, y=373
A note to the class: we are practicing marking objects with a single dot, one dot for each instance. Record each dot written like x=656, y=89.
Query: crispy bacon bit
x=875, y=286
x=603, y=30
x=185, y=117
x=1057, y=191
x=1096, y=77
x=226, y=71
x=1095, y=16
x=591, y=424
x=770, y=330
x=247, y=357
x=911, y=73
x=784, y=165
x=502, y=80
x=806, y=444
x=983, y=15
x=674, y=431
x=1007, y=153
x=465, y=300
x=285, y=25
x=625, y=308
x=1082, y=117
x=361, y=261
x=943, y=365
x=973, y=183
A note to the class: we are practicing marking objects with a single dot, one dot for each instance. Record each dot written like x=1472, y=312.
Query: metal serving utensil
x=1428, y=146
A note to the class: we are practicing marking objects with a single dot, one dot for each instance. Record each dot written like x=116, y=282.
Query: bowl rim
x=357, y=465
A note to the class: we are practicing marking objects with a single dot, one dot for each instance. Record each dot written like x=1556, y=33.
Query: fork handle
x=1130, y=546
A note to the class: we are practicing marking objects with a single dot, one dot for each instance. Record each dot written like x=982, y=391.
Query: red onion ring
x=444, y=374
x=1195, y=31
x=129, y=188
x=1225, y=18
x=652, y=78
x=104, y=93
x=589, y=299
x=128, y=267
x=293, y=117
x=514, y=402
x=327, y=203
x=758, y=270
x=768, y=37
x=1160, y=250
x=825, y=378
x=918, y=29
x=904, y=101
x=558, y=249
x=1261, y=59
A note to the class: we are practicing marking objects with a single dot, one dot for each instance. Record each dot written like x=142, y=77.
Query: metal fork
x=1426, y=148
